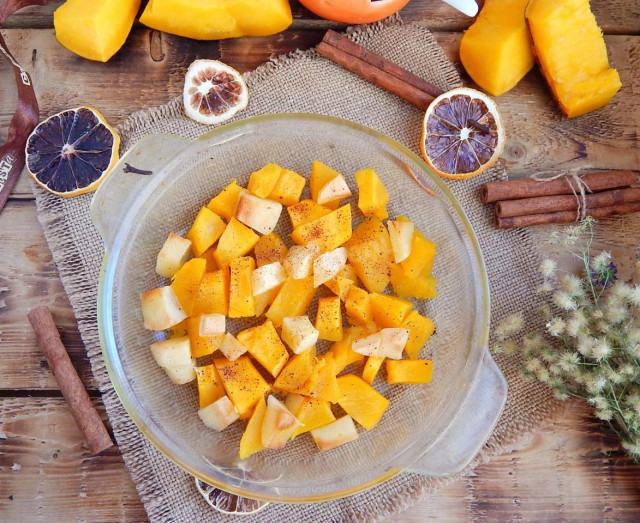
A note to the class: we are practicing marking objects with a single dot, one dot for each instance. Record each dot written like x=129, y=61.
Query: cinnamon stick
x=73, y=390
x=527, y=188
x=381, y=72
x=547, y=204
x=564, y=216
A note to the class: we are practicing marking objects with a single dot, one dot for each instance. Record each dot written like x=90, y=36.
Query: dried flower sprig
x=589, y=347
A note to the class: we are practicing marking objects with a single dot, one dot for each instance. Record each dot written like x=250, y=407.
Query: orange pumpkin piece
x=209, y=257
x=369, y=252
x=342, y=352
x=409, y=372
x=293, y=299
x=209, y=385
x=186, y=283
x=313, y=413
x=236, y=240
x=262, y=181
x=328, y=232
x=372, y=194
x=269, y=249
x=371, y=368
x=251, y=441
x=241, y=302
x=288, y=188
x=296, y=371
x=306, y=211
x=329, y=319
x=264, y=344
x=361, y=401
x=205, y=231
x=262, y=301
x=213, y=293
x=387, y=310
x=224, y=204
x=339, y=286
x=201, y=345
x=420, y=330
x=322, y=385
x=358, y=306
x=242, y=381
x=321, y=174
x=420, y=258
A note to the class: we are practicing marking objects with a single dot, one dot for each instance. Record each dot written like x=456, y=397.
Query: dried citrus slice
x=213, y=92
x=71, y=152
x=462, y=134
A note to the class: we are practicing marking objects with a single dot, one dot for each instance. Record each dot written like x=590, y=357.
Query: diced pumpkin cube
x=288, y=188
x=269, y=249
x=420, y=330
x=325, y=386
x=329, y=319
x=361, y=401
x=209, y=257
x=293, y=299
x=262, y=181
x=372, y=194
x=305, y=212
x=224, y=204
x=358, y=306
x=262, y=301
x=321, y=174
x=327, y=232
x=296, y=371
x=209, y=385
x=264, y=344
x=420, y=258
x=251, y=441
x=349, y=272
x=242, y=381
x=313, y=413
x=201, y=345
x=389, y=311
x=342, y=352
x=213, y=293
x=339, y=286
x=422, y=287
x=370, y=253
x=241, y=303
x=186, y=283
x=371, y=368
x=236, y=240
x=409, y=372
x=205, y=231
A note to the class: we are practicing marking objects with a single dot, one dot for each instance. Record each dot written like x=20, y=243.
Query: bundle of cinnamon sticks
x=521, y=203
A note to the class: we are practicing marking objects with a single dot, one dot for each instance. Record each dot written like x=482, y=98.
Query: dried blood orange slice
x=462, y=134
x=71, y=152
x=213, y=92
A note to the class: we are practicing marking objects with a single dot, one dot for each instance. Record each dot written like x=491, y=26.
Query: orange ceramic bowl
x=354, y=11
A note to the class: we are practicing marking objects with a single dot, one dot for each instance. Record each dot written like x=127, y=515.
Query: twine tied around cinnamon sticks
x=561, y=198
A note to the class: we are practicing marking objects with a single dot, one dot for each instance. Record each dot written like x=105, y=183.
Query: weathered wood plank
x=570, y=470
x=149, y=71
x=30, y=278
x=615, y=16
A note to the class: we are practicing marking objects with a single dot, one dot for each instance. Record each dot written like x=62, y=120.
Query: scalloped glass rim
x=215, y=476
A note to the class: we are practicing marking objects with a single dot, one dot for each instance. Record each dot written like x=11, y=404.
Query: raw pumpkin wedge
x=242, y=381
x=369, y=252
x=288, y=188
x=186, y=283
x=224, y=203
x=342, y=352
x=293, y=299
x=269, y=249
x=313, y=413
x=372, y=194
x=264, y=344
x=328, y=232
x=251, y=441
x=296, y=371
x=210, y=386
x=361, y=401
x=371, y=368
x=205, y=231
x=420, y=329
x=387, y=310
x=326, y=385
x=213, y=293
x=409, y=372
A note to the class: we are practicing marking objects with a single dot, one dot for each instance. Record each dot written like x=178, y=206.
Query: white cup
x=468, y=7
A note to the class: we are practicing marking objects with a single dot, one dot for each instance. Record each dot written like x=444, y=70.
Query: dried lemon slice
x=462, y=134
x=71, y=152
x=213, y=92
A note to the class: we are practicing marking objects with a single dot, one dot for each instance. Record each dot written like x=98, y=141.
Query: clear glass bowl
x=434, y=429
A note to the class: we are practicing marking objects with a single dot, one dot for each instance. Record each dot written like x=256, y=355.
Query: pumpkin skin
x=354, y=11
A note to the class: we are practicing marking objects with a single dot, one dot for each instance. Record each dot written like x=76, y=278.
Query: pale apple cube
x=336, y=433
x=299, y=260
x=299, y=333
x=172, y=352
x=219, y=415
x=328, y=265
x=393, y=342
x=231, y=347
x=181, y=374
x=369, y=345
x=212, y=325
x=335, y=189
x=260, y=214
x=161, y=309
x=267, y=277
x=401, y=236
x=278, y=424
x=293, y=402
x=175, y=251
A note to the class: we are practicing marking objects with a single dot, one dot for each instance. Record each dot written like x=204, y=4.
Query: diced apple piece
x=372, y=194
x=241, y=302
x=267, y=277
x=186, y=283
x=328, y=265
x=296, y=371
x=293, y=299
x=334, y=190
x=161, y=309
x=262, y=181
x=260, y=214
x=210, y=386
x=265, y=299
x=231, y=347
x=270, y=248
x=236, y=240
x=327, y=232
x=242, y=381
x=205, y=231
x=172, y=352
x=299, y=333
x=219, y=415
x=224, y=204
x=278, y=424
x=371, y=368
x=306, y=211
x=175, y=251
x=201, y=345
x=299, y=260
x=251, y=441
x=264, y=344
x=181, y=374
x=212, y=324
x=288, y=188
x=393, y=343
x=330, y=436
x=401, y=236
x=361, y=401
x=293, y=402
x=409, y=372
x=329, y=319
x=369, y=345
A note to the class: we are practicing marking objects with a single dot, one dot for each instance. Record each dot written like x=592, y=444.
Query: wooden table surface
x=569, y=470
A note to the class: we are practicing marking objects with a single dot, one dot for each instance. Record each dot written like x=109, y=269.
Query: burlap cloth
x=306, y=82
